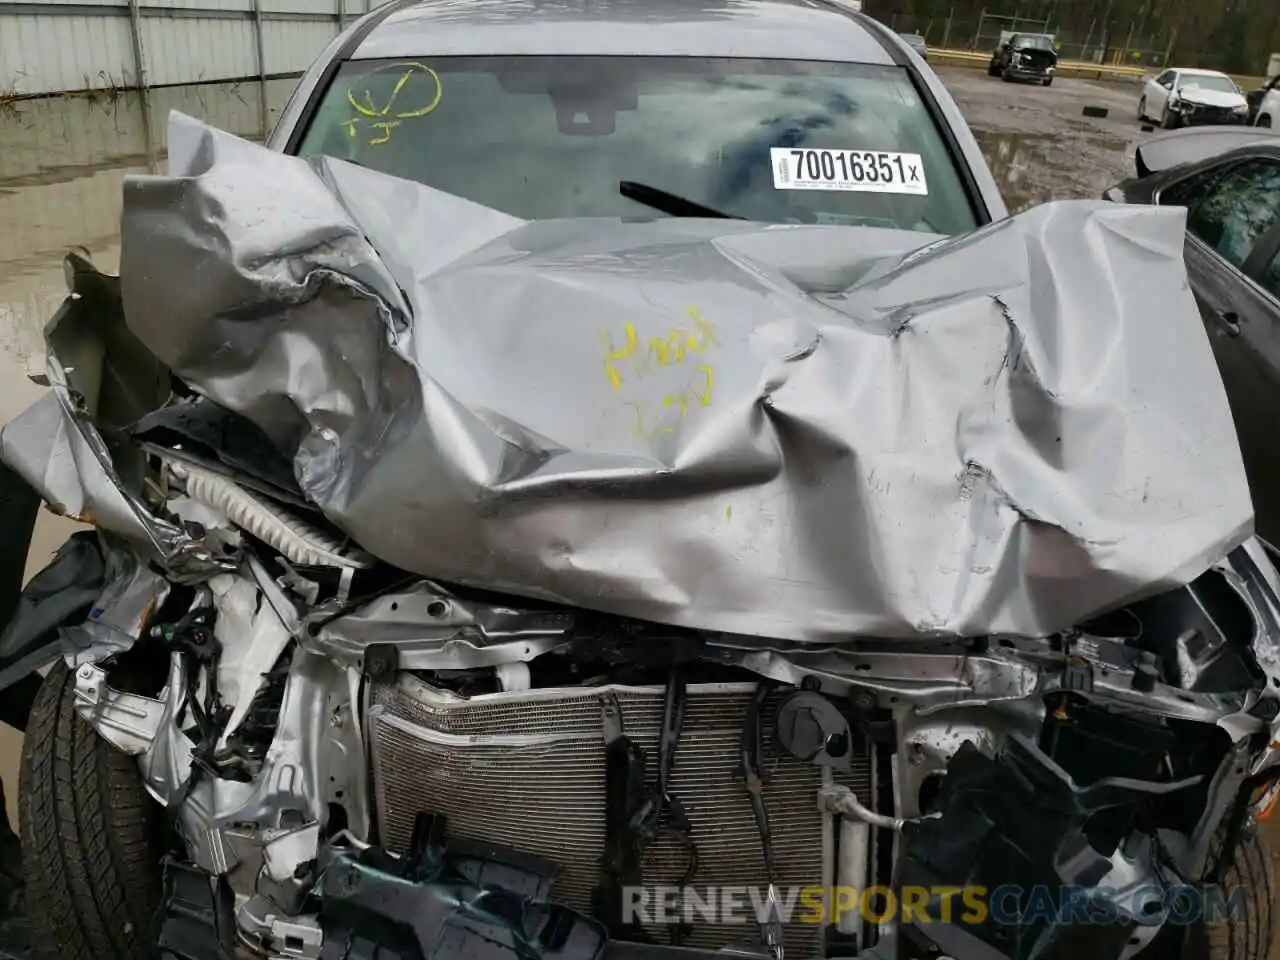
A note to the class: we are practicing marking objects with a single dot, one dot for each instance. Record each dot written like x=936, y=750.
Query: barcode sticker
x=864, y=171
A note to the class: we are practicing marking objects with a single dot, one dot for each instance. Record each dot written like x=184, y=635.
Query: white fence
x=50, y=46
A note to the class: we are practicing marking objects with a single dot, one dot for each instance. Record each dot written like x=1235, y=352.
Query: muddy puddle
x=62, y=165
x=1034, y=168
x=1038, y=143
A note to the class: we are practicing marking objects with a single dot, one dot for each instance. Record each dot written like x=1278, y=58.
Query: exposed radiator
x=527, y=770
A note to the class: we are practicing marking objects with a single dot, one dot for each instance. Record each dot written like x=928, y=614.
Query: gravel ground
x=1036, y=140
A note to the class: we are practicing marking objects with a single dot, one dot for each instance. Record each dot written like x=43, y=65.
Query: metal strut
x=662, y=812
x=753, y=776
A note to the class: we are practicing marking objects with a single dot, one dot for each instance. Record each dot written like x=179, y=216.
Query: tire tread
x=1249, y=937
x=88, y=836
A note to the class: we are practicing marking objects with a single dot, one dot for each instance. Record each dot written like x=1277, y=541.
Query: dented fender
x=60, y=595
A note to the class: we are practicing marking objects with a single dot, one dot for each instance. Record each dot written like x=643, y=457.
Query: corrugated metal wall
x=52, y=46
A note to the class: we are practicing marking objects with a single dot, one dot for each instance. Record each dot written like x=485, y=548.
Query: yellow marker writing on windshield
x=405, y=101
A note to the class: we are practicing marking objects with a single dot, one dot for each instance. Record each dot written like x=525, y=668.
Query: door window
x=1165, y=79
x=1270, y=278
x=1231, y=210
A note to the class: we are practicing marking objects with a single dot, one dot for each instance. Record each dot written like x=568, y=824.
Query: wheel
x=1048, y=81
x=1264, y=120
x=1168, y=121
x=993, y=69
x=1006, y=76
x=91, y=836
x=1142, y=109
x=1247, y=935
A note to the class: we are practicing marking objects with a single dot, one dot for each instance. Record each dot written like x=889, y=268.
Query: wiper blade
x=676, y=206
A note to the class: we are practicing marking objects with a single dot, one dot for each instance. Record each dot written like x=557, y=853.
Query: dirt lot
x=1038, y=143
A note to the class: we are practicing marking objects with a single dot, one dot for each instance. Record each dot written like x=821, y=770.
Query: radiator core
x=527, y=770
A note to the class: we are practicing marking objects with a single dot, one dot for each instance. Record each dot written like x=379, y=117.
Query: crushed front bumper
x=1029, y=73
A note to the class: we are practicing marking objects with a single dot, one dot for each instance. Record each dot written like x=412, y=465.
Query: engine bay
x=678, y=791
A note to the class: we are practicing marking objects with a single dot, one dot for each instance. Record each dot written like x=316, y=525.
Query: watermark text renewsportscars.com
x=1006, y=905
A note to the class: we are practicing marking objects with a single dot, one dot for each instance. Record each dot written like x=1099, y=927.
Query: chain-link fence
x=1105, y=42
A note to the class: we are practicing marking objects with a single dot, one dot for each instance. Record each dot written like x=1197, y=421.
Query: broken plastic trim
x=440, y=902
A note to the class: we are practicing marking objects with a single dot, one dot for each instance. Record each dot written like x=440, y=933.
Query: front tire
x=1142, y=109
x=91, y=840
x=1168, y=121
x=1264, y=121
x=1246, y=937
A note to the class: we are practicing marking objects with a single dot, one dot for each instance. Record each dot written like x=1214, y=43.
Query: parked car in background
x=1229, y=181
x=1255, y=99
x=1184, y=98
x=1025, y=56
x=1265, y=105
x=916, y=43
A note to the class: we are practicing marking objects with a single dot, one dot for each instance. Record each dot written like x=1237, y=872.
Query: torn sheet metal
x=680, y=421
x=57, y=449
x=132, y=594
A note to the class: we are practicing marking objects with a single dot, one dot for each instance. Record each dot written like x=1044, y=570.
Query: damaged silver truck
x=463, y=585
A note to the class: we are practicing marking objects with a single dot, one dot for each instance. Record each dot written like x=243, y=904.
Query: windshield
x=1033, y=43
x=550, y=137
x=1199, y=82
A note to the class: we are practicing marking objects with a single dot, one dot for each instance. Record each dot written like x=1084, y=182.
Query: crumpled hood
x=1211, y=98
x=784, y=432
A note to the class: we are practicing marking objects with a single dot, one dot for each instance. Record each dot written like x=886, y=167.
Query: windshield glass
x=550, y=137
x=1220, y=84
x=1033, y=43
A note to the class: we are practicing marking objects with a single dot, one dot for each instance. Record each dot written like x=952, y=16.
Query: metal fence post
x=342, y=15
x=262, y=68
x=140, y=78
x=946, y=31
x=1128, y=44
x=978, y=33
